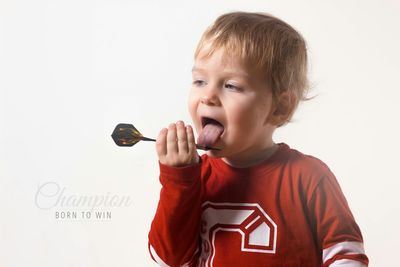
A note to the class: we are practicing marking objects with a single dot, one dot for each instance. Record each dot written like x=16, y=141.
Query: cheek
x=244, y=116
x=191, y=102
x=240, y=109
x=240, y=119
x=192, y=106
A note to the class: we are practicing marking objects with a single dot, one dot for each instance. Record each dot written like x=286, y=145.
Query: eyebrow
x=241, y=73
x=197, y=69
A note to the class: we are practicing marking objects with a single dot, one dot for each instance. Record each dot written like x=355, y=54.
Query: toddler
x=250, y=201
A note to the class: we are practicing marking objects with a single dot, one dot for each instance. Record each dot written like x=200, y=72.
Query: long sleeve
x=337, y=232
x=174, y=233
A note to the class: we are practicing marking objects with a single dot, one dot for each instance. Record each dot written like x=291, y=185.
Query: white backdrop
x=71, y=70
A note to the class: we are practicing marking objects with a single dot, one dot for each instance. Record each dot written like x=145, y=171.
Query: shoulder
x=307, y=171
x=306, y=164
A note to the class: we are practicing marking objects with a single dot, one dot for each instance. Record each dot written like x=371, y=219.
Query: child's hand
x=176, y=147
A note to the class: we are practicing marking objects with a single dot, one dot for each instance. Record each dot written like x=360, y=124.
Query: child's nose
x=210, y=96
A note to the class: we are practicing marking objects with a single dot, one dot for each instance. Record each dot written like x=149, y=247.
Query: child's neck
x=253, y=158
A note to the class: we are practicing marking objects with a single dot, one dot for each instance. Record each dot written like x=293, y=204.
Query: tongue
x=210, y=134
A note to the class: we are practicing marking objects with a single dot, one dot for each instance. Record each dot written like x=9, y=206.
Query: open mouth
x=206, y=120
x=211, y=131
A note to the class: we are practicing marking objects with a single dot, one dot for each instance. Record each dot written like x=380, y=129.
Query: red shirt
x=287, y=211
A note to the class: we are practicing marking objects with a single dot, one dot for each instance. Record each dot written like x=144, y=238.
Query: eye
x=199, y=82
x=233, y=87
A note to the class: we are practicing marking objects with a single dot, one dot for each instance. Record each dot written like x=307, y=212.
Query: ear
x=282, y=109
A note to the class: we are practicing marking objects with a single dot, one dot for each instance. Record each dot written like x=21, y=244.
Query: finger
x=161, y=142
x=172, y=146
x=190, y=138
x=182, y=138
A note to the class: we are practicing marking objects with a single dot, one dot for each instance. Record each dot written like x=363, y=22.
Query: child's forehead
x=231, y=62
x=223, y=52
x=220, y=56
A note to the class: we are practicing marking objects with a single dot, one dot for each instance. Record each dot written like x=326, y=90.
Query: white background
x=71, y=70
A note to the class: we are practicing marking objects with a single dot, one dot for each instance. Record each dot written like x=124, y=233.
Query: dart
x=127, y=135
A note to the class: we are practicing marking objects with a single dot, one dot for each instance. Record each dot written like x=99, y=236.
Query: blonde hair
x=263, y=41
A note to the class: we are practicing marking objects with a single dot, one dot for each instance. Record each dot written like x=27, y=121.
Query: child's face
x=239, y=99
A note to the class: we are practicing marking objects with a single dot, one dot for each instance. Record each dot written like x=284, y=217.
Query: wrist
x=180, y=174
